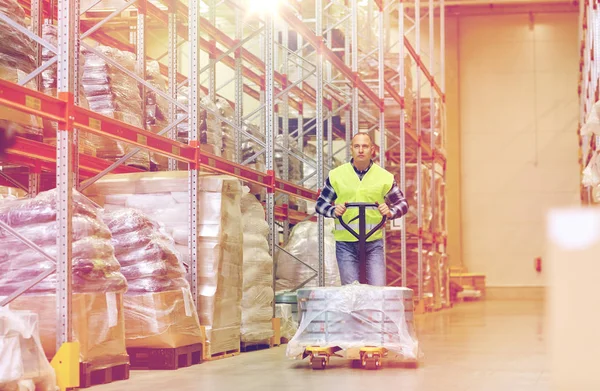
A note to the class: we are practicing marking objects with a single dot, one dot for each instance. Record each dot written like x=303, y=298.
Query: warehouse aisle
x=480, y=346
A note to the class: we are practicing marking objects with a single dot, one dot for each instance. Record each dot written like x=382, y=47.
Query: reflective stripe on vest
x=348, y=187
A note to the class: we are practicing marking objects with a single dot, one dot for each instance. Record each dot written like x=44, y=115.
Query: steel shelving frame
x=589, y=72
x=338, y=91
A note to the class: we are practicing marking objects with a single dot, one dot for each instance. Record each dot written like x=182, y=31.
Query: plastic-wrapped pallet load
x=163, y=196
x=23, y=364
x=98, y=284
x=114, y=94
x=257, y=294
x=354, y=316
x=159, y=310
x=17, y=60
x=288, y=325
x=303, y=244
x=157, y=110
x=49, y=87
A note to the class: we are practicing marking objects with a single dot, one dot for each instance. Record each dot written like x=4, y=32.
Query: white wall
x=518, y=129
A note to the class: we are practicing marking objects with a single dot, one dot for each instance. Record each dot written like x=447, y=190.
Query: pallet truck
x=370, y=356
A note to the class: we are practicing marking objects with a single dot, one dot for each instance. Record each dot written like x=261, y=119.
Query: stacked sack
x=303, y=244
x=226, y=111
x=157, y=111
x=163, y=196
x=159, y=310
x=114, y=94
x=257, y=288
x=98, y=284
x=49, y=87
x=17, y=60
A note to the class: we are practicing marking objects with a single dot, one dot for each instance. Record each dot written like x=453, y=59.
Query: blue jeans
x=347, y=259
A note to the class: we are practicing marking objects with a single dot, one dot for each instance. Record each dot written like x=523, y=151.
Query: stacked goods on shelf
x=211, y=135
x=157, y=111
x=257, y=288
x=439, y=205
x=23, y=365
x=303, y=245
x=98, y=285
x=114, y=94
x=163, y=196
x=426, y=122
x=294, y=169
x=159, y=310
x=17, y=60
x=249, y=157
x=226, y=111
x=49, y=87
x=445, y=280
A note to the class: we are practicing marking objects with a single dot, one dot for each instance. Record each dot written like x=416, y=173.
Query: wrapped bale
x=288, y=325
x=354, y=316
x=98, y=284
x=49, y=87
x=23, y=365
x=164, y=197
x=257, y=288
x=303, y=244
x=159, y=310
x=17, y=60
x=112, y=93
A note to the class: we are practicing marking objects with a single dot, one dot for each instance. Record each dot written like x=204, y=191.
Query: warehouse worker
x=361, y=180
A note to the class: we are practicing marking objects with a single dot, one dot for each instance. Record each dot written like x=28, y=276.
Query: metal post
x=432, y=126
x=382, y=135
x=319, y=119
x=212, y=77
x=68, y=50
x=37, y=16
x=141, y=53
x=401, y=53
x=172, y=58
x=348, y=90
x=284, y=107
x=34, y=182
x=419, y=151
x=269, y=43
x=239, y=85
x=194, y=117
x=355, y=97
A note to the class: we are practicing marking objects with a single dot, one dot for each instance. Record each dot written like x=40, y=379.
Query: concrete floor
x=477, y=346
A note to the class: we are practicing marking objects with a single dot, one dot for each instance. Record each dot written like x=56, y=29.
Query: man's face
x=362, y=149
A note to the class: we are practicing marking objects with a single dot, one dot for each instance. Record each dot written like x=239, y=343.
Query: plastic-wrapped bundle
x=163, y=196
x=288, y=326
x=226, y=111
x=49, y=87
x=353, y=316
x=97, y=280
x=159, y=310
x=114, y=94
x=17, y=60
x=23, y=365
x=147, y=256
x=303, y=244
x=257, y=288
x=157, y=110
x=95, y=268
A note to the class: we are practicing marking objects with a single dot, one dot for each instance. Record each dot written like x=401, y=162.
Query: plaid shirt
x=394, y=198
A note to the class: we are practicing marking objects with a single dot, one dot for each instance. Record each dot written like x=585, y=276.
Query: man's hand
x=340, y=209
x=385, y=210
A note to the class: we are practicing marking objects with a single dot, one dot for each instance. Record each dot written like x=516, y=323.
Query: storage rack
x=339, y=91
x=589, y=72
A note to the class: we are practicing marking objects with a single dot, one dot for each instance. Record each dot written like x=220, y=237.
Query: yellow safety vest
x=348, y=187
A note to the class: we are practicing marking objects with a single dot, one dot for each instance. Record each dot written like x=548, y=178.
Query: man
x=361, y=181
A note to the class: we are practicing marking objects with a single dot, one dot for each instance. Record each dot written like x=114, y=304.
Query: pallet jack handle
x=361, y=235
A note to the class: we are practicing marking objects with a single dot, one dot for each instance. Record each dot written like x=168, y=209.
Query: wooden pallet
x=218, y=356
x=252, y=346
x=166, y=358
x=88, y=376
